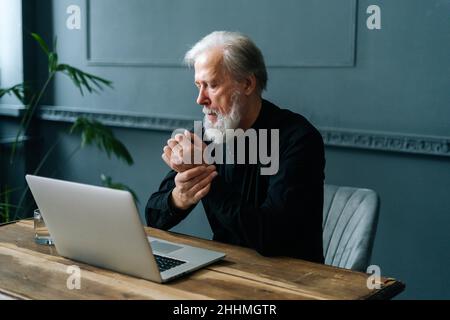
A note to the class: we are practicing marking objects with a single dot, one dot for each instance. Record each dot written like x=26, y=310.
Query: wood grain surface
x=31, y=271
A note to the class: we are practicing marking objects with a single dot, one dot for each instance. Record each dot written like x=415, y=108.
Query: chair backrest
x=350, y=217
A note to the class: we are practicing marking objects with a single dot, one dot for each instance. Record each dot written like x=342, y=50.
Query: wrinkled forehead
x=209, y=65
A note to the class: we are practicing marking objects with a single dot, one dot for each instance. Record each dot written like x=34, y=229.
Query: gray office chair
x=350, y=217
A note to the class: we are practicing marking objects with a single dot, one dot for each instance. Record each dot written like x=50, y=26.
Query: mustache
x=207, y=111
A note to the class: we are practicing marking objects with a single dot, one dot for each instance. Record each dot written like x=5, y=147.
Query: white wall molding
x=334, y=137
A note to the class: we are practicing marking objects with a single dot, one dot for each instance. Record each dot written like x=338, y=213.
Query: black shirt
x=278, y=214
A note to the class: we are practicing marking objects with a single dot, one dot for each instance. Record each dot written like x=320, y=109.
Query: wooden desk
x=31, y=271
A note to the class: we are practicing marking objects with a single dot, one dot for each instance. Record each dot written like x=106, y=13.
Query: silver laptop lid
x=95, y=225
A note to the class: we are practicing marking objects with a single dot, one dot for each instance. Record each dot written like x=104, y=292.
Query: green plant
x=91, y=132
x=5, y=206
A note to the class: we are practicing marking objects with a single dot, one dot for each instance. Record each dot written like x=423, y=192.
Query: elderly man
x=277, y=214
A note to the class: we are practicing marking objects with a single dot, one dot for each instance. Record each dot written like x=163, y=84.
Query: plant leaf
x=41, y=42
x=52, y=61
x=5, y=204
x=83, y=80
x=94, y=132
x=17, y=90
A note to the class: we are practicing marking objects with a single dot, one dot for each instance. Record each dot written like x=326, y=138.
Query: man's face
x=218, y=92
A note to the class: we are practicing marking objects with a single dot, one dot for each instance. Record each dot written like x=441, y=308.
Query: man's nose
x=202, y=98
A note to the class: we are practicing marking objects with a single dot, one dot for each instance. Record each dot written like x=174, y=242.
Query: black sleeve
x=289, y=220
x=159, y=211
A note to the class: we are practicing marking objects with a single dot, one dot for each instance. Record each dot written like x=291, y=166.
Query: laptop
x=101, y=226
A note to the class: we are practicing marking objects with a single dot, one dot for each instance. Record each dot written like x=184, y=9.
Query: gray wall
x=323, y=63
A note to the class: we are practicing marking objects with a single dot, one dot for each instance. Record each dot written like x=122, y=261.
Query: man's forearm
x=159, y=212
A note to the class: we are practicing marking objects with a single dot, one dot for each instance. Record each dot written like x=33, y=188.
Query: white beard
x=215, y=132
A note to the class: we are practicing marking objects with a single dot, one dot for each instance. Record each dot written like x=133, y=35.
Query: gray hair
x=241, y=57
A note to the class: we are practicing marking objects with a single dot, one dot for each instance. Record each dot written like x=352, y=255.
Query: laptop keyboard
x=165, y=263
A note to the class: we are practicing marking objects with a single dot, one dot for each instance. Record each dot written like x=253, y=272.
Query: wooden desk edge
x=11, y=295
x=389, y=291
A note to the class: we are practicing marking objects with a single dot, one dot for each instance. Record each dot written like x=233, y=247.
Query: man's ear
x=249, y=84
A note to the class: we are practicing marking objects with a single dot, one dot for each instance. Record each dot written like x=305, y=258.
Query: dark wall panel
x=290, y=33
